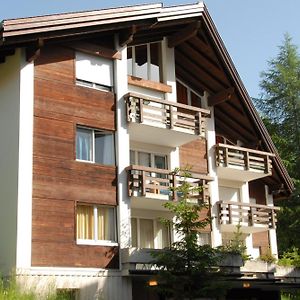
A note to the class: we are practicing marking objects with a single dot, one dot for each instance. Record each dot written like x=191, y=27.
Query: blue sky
x=250, y=29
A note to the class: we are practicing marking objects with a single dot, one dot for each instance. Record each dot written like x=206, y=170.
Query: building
x=96, y=110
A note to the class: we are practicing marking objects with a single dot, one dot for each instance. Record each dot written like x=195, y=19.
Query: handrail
x=206, y=112
x=248, y=204
x=168, y=172
x=245, y=149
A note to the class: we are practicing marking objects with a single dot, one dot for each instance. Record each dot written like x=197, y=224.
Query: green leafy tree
x=280, y=109
x=187, y=270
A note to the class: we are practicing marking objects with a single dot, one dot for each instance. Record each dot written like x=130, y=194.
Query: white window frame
x=91, y=84
x=154, y=224
x=95, y=241
x=189, y=91
x=149, y=75
x=93, y=130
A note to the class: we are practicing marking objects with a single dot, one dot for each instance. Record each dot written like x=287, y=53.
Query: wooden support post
x=225, y=156
x=229, y=213
x=267, y=165
x=171, y=117
x=251, y=217
x=143, y=182
x=141, y=108
x=200, y=123
x=273, y=224
x=246, y=160
x=174, y=186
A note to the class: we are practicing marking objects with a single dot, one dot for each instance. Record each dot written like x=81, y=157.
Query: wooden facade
x=59, y=181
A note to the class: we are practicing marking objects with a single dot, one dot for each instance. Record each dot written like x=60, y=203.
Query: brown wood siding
x=261, y=241
x=194, y=154
x=59, y=181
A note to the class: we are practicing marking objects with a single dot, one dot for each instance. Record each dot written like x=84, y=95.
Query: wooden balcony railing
x=152, y=182
x=167, y=114
x=247, y=159
x=235, y=213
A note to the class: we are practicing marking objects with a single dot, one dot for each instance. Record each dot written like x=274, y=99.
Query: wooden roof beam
x=221, y=97
x=184, y=34
x=126, y=35
x=33, y=51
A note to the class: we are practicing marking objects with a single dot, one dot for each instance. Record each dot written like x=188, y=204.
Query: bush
x=290, y=258
x=268, y=257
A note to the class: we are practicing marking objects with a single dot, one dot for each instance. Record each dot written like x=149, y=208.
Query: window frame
x=91, y=84
x=148, y=54
x=93, y=149
x=155, y=238
x=152, y=157
x=96, y=242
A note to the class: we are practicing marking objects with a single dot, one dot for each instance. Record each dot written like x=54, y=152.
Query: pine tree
x=280, y=109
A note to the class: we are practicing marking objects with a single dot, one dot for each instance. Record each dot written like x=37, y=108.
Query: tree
x=187, y=270
x=280, y=109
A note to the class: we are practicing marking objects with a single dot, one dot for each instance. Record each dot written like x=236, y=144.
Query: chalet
x=96, y=110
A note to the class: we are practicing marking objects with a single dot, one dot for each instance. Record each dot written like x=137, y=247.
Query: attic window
x=94, y=71
x=145, y=61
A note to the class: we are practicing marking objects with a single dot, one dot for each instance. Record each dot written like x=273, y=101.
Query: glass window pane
x=84, y=144
x=196, y=101
x=104, y=148
x=156, y=65
x=162, y=235
x=144, y=159
x=132, y=157
x=85, y=222
x=160, y=162
x=134, y=232
x=146, y=233
x=141, y=61
x=106, y=223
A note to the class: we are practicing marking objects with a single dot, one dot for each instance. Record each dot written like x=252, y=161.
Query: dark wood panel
x=194, y=155
x=59, y=181
x=257, y=191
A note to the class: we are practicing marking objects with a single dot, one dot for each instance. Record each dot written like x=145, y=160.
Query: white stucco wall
x=9, y=137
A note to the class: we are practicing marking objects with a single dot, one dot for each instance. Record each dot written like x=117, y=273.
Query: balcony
x=242, y=164
x=149, y=118
x=149, y=188
x=251, y=217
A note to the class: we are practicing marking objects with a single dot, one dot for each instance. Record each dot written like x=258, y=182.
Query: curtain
x=85, y=222
x=146, y=233
x=106, y=223
x=84, y=144
x=162, y=235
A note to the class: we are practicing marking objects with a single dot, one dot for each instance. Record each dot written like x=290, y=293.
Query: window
x=145, y=61
x=95, y=224
x=149, y=233
x=94, y=71
x=204, y=238
x=95, y=146
x=148, y=159
x=186, y=95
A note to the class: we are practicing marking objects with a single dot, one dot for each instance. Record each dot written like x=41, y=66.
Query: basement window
x=96, y=225
x=96, y=146
x=94, y=71
x=145, y=61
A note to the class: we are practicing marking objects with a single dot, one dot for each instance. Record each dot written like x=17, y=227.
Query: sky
x=252, y=30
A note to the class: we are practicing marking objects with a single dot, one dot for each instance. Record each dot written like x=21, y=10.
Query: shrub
x=268, y=257
x=290, y=258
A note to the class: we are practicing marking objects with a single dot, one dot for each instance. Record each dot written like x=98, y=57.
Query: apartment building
x=97, y=108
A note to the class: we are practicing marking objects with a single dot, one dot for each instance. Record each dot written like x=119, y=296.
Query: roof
x=200, y=54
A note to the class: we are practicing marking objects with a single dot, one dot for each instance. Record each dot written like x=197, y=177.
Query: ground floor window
x=150, y=233
x=95, y=224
